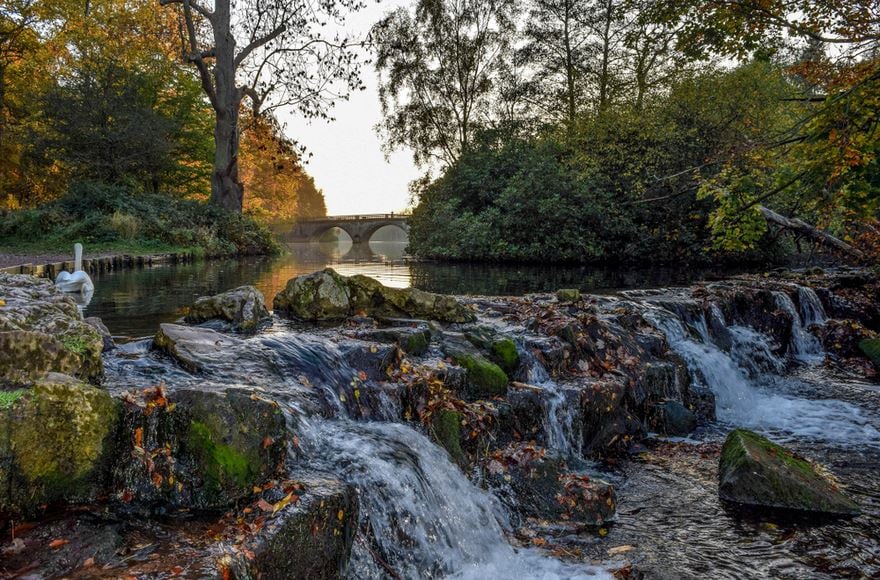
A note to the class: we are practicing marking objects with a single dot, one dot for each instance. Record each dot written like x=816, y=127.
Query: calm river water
x=134, y=302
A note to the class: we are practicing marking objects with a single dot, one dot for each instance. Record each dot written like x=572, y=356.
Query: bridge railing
x=352, y=218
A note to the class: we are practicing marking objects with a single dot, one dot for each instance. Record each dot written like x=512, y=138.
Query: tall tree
x=438, y=67
x=272, y=52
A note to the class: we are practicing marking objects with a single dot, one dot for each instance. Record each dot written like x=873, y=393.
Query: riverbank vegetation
x=626, y=130
x=107, y=137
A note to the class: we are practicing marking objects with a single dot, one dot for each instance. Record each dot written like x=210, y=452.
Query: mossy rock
x=753, y=470
x=485, y=378
x=208, y=449
x=871, y=348
x=326, y=295
x=568, y=295
x=447, y=432
x=319, y=296
x=413, y=341
x=42, y=331
x=243, y=307
x=56, y=443
x=505, y=353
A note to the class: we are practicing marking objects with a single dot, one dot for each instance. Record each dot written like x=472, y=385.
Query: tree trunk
x=227, y=190
x=811, y=232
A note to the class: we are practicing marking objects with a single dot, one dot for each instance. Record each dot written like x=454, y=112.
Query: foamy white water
x=749, y=402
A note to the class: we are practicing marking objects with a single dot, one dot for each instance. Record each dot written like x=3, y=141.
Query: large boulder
x=198, y=449
x=56, y=443
x=753, y=470
x=319, y=296
x=194, y=348
x=43, y=331
x=243, y=307
x=326, y=295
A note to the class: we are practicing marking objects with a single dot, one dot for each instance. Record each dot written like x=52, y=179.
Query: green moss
x=871, y=348
x=568, y=295
x=58, y=434
x=417, y=343
x=447, y=432
x=75, y=343
x=505, y=354
x=222, y=463
x=8, y=398
x=486, y=378
x=754, y=470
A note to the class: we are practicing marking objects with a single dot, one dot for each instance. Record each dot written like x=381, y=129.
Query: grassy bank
x=110, y=219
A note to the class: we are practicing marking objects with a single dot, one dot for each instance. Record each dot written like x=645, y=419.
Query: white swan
x=78, y=281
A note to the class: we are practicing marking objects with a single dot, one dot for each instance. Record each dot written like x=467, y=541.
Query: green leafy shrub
x=107, y=215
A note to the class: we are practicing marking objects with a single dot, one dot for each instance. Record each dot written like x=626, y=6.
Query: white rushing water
x=562, y=414
x=747, y=390
x=812, y=311
x=804, y=345
x=428, y=519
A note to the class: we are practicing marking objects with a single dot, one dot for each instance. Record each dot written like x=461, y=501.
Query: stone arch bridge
x=359, y=227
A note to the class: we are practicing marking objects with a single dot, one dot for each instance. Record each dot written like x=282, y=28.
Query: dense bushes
x=620, y=187
x=109, y=216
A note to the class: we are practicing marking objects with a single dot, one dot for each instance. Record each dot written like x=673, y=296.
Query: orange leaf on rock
x=57, y=543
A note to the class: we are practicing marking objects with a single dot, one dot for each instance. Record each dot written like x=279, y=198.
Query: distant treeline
x=634, y=130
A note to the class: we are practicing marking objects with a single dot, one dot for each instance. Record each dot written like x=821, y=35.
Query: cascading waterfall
x=427, y=518
x=804, y=345
x=757, y=403
x=561, y=414
x=812, y=311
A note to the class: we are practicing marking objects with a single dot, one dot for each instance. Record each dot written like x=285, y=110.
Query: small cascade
x=427, y=519
x=562, y=414
x=750, y=394
x=812, y=311
x=804, y=346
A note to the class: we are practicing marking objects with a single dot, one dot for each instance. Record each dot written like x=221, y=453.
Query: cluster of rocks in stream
x=223, y=461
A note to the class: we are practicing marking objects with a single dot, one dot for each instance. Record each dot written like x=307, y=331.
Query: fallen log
x=815, y=234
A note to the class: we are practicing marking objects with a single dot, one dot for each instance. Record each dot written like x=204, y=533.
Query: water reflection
x=134, y=302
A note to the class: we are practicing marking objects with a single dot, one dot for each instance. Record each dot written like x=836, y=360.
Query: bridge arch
x=359, y=228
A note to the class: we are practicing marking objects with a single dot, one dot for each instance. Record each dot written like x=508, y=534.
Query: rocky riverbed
x=369, y=432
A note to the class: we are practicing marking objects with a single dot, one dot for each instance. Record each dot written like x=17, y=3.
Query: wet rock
x=446, y=426
x=413, y=341
x=198, y=449
x=107, y=338
x=521, y=416
x=485, y=378
x=501, y=349
x=319, y=296
x=370, y=296
x=871, y=348
x=311, y=538
x=243, y=307
x=194, y=348
x=672, y=418
x=328, y=296
x=374, y=360
x=538, y=484
x=753, y=470
x=568, y=295
x=608, y=428
x=56, y=441
x=310, y=535
x=42, y=331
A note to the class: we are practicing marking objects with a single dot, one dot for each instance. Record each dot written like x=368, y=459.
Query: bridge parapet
x=359, y=227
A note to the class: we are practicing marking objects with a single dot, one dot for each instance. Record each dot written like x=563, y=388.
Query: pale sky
x=347, y=160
